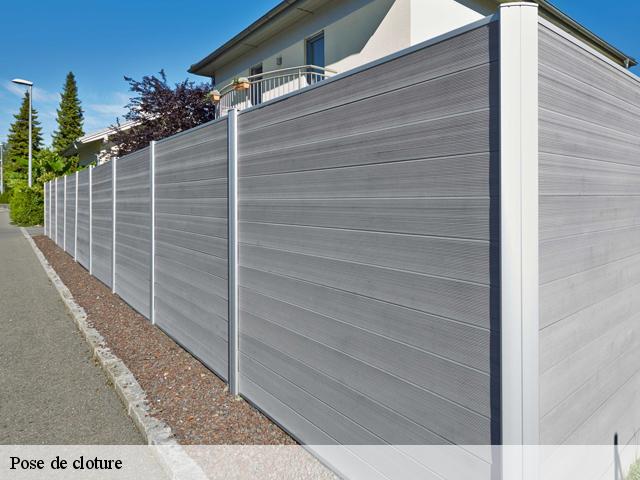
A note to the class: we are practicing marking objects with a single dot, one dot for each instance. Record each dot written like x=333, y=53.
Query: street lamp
x=29, y=85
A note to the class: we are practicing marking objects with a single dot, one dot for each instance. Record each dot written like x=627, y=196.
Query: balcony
x=256, y=89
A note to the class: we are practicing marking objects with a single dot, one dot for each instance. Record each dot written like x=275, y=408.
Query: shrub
x=634, y=471
x=27, y=205
x=5, y=197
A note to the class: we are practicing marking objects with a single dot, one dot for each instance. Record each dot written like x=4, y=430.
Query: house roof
x=99, y=135
x=289, y=12
x=286, y=13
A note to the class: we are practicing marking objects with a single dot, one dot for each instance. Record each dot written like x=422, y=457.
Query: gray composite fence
x=102, y=223
x=132, y=231
x=59, y=193
x=366, y=199
x=336, y=255
x=191, y=242
x=590, y=245
x=70, y=213
x=82, y=235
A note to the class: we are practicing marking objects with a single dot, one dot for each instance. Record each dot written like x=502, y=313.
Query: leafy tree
x=26, y=204
x=160, y=110
x=48, y=164
x=69, y=117
x=18, y=140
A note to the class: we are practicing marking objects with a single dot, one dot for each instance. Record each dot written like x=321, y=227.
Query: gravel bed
x=181, y=391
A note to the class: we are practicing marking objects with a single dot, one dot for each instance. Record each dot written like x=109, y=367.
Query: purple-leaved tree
x=159, y=110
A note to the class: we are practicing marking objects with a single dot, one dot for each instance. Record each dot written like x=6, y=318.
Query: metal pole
x=30, y=132
x=113, y=224
x=91, y=219
x=75, y=225
x=232, y=222
x=152, y=183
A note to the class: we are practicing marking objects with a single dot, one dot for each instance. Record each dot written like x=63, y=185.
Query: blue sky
x=102, y=40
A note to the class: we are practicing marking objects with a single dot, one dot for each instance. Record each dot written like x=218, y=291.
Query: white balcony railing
x=267, y=86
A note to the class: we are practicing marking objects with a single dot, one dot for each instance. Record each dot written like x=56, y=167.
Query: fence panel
x=59, y=211
x=367, y=250
x=133, y=234
x=101, y=249
x=589, y=246
x=70, y=217
x=191, y=242
x=83, y=218
x=367, y=305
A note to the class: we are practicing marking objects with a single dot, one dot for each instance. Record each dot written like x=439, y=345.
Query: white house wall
x=373, y=31
x=360, y=31
x=356, y=32
x=430, y=18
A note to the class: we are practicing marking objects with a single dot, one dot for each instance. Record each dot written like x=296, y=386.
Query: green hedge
x=5, y=197
x=634, y=472
x=27, y=205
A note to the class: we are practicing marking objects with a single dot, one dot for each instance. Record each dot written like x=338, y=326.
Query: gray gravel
x=51, y=391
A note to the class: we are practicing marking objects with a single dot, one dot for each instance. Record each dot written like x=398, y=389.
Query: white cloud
x=92, y=123
x=113, y=109
x=39, y=94
x=99, y=115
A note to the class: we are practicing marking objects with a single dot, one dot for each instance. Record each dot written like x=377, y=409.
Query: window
x=315, y=56
x=315, y=50
x=256, y=84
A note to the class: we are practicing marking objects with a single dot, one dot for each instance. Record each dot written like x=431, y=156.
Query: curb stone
x=172, y=456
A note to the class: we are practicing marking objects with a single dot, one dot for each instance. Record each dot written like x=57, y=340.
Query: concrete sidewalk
x=51, y=392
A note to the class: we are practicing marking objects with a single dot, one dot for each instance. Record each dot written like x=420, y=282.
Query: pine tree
x=69, y=117
x=18, y=139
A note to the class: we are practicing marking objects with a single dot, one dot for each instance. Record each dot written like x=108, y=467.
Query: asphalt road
x=51, y=392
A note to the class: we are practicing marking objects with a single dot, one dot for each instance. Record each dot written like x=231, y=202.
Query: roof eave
x=275, y=11
x=546, y=7
x=605, y=46
x=70, y=151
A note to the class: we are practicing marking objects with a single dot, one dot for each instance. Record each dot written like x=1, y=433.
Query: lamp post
x=29, y=85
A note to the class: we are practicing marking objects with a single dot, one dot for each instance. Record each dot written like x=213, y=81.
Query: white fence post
x=113, y=229
x=232, y=248
x=152, y=192
x=46, y=186
x=49, y=208
x=64, y=214
x=91, y=220
x=75, y=223
x=519, y=238
x=56, y=209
